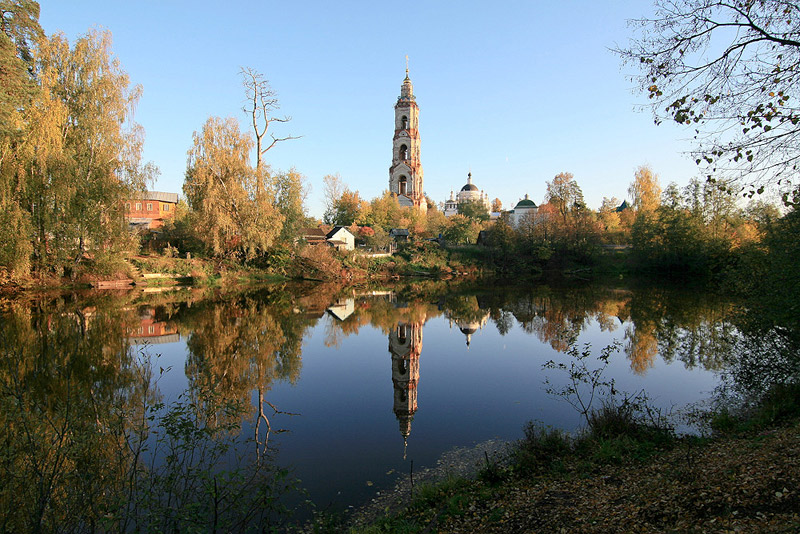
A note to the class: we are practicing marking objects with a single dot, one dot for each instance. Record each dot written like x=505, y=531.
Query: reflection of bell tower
x=405, y=174
x=405, y=346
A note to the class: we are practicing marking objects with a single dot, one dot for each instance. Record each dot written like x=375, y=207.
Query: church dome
x=469, y=186
x=525, y=203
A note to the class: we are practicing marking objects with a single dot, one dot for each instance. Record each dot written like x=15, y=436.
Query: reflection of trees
x=642, y=346
x=238, y=346
x=692, y=327
x=556, y=317
x=70, y=389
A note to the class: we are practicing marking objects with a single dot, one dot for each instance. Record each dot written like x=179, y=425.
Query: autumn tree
x=609, y=219
x=382, y=211
x=729, y=71
x=564, y=194
x=19, y=33
x=497, y=205
x=345, y=209
x=233, y=203
x=76, y=156
x=645, y=191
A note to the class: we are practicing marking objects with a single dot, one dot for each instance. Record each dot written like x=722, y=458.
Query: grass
x=780, y=404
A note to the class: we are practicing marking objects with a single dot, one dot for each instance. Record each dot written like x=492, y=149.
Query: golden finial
x=406, y=65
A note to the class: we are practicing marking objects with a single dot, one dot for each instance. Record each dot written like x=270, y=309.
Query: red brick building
x=151, y=209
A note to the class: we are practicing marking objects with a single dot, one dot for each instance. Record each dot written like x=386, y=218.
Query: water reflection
x=152, y=330
x=405, y=346
x=76, y=388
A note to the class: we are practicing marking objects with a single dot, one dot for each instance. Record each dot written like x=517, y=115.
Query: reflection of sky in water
x=348, y=433
x=356, y=381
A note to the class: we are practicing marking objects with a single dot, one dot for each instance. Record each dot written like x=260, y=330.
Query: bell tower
x=405, y=174
x=405, y=346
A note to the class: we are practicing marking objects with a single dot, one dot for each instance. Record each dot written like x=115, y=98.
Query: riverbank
x=745, y=479
x=422, y=260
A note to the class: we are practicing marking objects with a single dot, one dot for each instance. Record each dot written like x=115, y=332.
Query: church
x=468, y=193
x=405, y=174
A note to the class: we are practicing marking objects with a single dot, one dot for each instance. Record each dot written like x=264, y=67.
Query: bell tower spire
x=405, y=173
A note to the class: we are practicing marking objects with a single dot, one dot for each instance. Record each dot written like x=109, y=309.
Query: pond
x=348, y=388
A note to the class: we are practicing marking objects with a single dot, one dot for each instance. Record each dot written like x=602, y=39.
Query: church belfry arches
x=405, y=173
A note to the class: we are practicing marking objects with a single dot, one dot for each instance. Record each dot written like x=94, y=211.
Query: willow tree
x=76, y=154
x=19, y=32
x=233, y=203
x=83, y=183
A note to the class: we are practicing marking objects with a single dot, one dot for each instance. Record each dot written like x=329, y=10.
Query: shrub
x=541, y=449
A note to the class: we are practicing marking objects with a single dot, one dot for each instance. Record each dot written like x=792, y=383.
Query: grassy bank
x=626, y=472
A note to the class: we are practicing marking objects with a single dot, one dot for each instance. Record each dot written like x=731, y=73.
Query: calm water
x=372, y=379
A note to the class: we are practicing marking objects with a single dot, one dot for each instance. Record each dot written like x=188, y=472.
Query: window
x=151, y=329
x=402, y=334
x=149, y=206
x=403, y=152
x=138, y=206
x=404, y=123
x=403, y=185
x=127, y=206
x=165, y=207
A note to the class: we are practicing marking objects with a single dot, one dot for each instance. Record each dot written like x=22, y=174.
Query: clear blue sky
x=516, y=91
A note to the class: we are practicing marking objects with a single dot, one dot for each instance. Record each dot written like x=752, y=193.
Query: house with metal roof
x=149, y=210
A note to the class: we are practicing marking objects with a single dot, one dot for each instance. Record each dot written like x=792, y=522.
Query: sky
x=513, y=91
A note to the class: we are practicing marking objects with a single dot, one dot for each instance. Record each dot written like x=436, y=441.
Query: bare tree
x=729, y=69
x=261, y=103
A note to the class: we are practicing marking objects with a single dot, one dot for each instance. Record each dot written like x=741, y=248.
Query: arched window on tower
x=402, y=333
x=403, y=185
x=404, y=123
x=403, y=152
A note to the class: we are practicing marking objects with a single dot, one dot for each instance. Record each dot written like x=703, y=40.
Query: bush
x=541, y=449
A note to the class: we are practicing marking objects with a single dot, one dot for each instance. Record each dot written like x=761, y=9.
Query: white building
x=341, y=238
x=525, y=210
x=468, y=193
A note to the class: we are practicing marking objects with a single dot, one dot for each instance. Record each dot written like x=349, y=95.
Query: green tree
x=728, y=70
x=462, y=230
x=233, y=203
x=290, y=195
x=474, y=209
